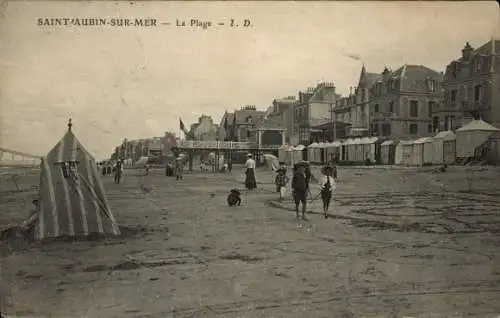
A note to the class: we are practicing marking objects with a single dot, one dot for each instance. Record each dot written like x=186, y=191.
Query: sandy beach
x=398, y=243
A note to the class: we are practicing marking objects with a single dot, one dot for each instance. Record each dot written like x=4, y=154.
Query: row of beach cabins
x=474, y=140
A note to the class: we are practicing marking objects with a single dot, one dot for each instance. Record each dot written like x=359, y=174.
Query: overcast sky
x=136, y=82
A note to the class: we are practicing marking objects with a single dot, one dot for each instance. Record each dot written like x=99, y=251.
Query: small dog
x=234, y=198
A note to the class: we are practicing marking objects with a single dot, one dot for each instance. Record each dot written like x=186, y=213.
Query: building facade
x=241, y=124
x=204, y=129
x=146, y=147
x=402, y=102
x=169, y=142
x=359, y=106
x=471, y=88
x=342, y=113
x=281, y=115
x=313, y=108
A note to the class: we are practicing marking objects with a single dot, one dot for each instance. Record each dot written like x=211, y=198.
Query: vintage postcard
x=249, y=159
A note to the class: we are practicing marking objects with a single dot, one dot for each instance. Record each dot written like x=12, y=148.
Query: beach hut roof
x=357, y=141
x=478, y=125
x=368, y=140
x=321, y=144
x=313, y=145
x=406, y=142
x=388, y=142
x=347, y=142
x=299, y=147
x=446, y=135
x=423, y=140
x=285, y=147
x=336, y=143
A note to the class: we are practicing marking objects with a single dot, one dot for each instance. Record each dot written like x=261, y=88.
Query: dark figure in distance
x=118, y=171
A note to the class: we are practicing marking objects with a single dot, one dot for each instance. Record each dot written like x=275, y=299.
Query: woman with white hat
x=250, y=181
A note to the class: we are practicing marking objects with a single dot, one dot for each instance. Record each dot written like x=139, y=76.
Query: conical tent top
x=69, y=124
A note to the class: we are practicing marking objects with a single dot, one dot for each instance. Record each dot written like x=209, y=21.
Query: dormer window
x=477, y=65
x=249, y=119
x=431, y=84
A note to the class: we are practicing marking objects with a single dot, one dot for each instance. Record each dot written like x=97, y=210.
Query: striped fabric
x=72, y=198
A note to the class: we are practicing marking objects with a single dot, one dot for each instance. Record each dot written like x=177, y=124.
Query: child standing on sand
x=281, y=181
x=327, y=186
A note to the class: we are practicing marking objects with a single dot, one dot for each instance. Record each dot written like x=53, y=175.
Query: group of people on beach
x=300, y=185
x=117, y=170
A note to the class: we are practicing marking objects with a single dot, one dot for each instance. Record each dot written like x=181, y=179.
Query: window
x=478, y=93
x=375, y=129
x=376, y=108
x=477, y=65
x=429, y=128
x=413, y=129
x=431, y=106
x=304, y=135
x=448, y=122
x=413, y=108
x=435, y=123
x=391, y=106
x=386, y=129
x=465, y=92
x=432, y=85
x=454, y=96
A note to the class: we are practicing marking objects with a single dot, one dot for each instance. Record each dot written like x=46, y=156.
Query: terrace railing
x=224, y=145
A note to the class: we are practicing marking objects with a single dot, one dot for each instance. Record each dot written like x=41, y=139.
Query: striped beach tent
x=72, y=198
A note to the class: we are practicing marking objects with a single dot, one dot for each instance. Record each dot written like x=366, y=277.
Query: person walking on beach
x=309, y=177
x=327, y=186
x=299, y=188
x=178, y=168
x=118, y=171
x=250, y=181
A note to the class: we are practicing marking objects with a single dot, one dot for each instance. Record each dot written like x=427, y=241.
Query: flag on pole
x=183, y=128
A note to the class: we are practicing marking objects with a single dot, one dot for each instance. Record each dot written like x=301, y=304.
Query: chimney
x=467, y=51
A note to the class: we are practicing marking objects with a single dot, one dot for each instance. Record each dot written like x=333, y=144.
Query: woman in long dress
x=250, y=181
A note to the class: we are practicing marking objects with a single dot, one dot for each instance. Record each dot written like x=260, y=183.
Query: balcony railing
x=224, y=145
x=383, y=115
x=473, y=106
